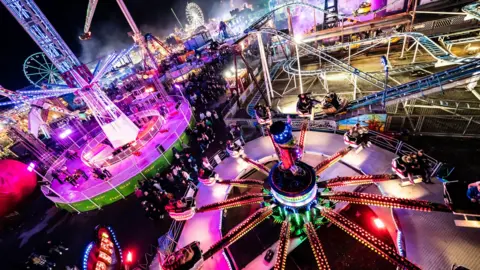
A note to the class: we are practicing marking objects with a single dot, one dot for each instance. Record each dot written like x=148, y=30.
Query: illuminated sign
x=104, y=252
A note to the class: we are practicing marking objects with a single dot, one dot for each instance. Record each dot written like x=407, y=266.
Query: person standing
x=107, y=172
x=82, y=173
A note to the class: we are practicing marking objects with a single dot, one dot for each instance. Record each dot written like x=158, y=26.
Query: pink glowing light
x=65, y=133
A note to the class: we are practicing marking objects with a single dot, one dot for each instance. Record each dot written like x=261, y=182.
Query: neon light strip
x=297, y=203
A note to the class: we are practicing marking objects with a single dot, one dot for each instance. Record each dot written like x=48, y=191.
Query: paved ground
x=40, y=222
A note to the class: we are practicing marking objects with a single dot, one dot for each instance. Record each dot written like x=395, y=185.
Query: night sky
x=109, y=29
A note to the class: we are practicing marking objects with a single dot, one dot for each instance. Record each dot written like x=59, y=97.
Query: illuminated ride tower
x=293, y=182
x=119, y=129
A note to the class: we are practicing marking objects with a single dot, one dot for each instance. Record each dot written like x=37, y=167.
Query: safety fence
x=131, y=167
x=433, y=125
x=382, y=140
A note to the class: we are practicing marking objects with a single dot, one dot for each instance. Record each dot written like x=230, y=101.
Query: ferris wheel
x=39, y=70
x=194, y=15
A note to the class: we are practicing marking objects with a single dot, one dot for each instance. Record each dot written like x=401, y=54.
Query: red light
x=129, y=257
x=379, y=223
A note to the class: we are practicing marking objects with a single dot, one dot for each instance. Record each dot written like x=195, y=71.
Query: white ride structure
x=195, y=16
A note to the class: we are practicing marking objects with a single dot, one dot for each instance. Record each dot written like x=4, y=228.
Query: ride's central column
x=289, y=150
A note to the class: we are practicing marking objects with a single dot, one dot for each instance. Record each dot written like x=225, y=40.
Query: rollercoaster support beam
x=299, y=69
x=388, y=49
x=250, y=72
x=266, y=71
x=403, y=47
x=415, y=53
x=387, y=251
x=238, y=231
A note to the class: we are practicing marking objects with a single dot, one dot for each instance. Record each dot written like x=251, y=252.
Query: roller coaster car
x=333, y=104
x=363, y=9
x=85, y=36
x=454, y=194
x=186, y=258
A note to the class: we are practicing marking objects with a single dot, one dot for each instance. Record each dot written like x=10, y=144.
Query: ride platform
x=155, y=156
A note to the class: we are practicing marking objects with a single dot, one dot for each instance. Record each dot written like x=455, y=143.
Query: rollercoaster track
x=435, y=50
x=311, y=50
x=262, y=20
x=288, y=67
x=472, y=10
x=431, y=84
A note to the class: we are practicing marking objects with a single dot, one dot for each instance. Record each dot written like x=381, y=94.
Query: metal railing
x=436, y=125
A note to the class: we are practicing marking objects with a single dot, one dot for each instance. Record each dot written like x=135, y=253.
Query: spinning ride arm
x=303, y=133
x=283, y=244
x=331, y=160
x=92, y=5
x=384, y=201
x=234, y=202
x=356, y=180
x=239, y=230
x=316, y=246
x=260, y=167
x=241, y=182
x=275, y=146
x=386, y=251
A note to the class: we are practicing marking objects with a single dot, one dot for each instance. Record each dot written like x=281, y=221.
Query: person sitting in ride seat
x=305, y=104
x=473, y=192
x=423, y=167
x=233, y=147
x=262, y=113
x=331, y=103
x=359, y=135
x=405, y=164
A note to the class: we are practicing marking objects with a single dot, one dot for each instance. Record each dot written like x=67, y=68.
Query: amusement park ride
x=149, y=60
x=295, y=195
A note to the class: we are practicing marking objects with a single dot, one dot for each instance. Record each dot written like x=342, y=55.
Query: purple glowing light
x=65, y=133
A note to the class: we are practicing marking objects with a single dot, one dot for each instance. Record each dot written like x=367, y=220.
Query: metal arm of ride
x=92, y=5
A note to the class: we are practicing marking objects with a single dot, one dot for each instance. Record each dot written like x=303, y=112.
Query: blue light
x=86, y=254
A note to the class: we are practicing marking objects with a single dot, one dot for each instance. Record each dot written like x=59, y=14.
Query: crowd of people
x=64, y=174
x=45, y=256
x=203, y=90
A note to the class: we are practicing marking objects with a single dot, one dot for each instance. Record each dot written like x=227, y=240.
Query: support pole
x=250, y=72
x=266, y=73
x=388, y=48
x=355, y=87
x=415, y=53
x=299, y=69
x=349, y=52
x=403, y=46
